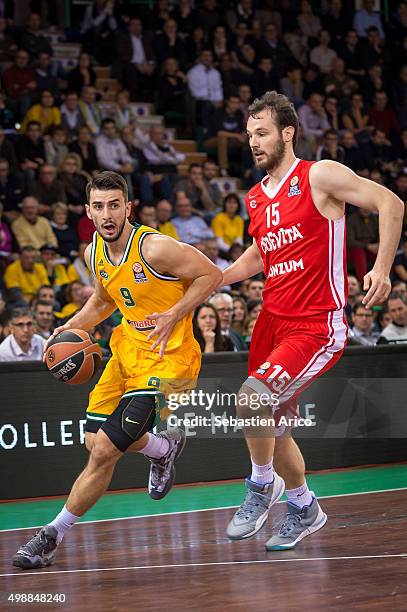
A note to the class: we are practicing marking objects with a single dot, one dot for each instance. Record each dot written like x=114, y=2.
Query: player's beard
x=113, y=237
x=274, y=159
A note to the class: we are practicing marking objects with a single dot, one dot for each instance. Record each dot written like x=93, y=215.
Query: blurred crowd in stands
x=161, y=95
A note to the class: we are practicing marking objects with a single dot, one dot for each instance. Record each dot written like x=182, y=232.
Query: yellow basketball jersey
x=138, y=290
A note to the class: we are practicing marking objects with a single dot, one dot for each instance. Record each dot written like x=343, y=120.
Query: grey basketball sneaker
x=162, y=471
x=252, y=514
x=297, y=524
x=39, y=551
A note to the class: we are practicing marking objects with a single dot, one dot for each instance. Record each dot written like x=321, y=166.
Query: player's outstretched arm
x=169, y=256
x=97, y=309
x=247, y=265
x=337, y=182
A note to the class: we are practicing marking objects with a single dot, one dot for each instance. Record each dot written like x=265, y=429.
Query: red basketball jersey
x=304, y=253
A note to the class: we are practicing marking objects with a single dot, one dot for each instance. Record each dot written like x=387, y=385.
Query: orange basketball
x=73, y=356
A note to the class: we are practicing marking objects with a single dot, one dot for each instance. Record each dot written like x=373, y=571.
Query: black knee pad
x=133, y=417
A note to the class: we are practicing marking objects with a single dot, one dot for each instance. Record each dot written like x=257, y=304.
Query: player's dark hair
x=280, y=108
x=105, y=181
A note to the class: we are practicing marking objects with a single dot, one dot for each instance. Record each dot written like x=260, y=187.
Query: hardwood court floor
x=183, y=561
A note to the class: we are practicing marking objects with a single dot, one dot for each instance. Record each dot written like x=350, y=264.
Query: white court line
x=141, y=516
x=206, y=564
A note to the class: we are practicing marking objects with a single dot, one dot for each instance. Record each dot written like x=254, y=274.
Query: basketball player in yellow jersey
x=155, y=282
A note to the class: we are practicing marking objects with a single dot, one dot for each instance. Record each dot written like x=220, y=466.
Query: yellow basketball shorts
x=131, y=369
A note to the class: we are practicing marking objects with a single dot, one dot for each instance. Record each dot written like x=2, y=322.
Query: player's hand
x=165, y=322
x=378, y=287
x=56, y=331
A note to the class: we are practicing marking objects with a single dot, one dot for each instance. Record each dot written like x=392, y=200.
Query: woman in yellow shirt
x=228, y=225
x=45, y=113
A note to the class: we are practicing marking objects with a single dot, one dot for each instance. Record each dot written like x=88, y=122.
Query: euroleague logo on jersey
x=294, y=189
x=139, y=276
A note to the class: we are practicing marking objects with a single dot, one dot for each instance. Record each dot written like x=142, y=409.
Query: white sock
x=262, y=474
x=156, y=446
x=299, y=497
x=63, y=522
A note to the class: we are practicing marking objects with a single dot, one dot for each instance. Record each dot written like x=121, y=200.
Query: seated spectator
x=7, y=150
x=135, y=64
x=82, y=75
x=379, y=152
x=323, y=55
x=245, y=96
x=226, y=132
x=400, y=185
x=56, y=148
x=170, y=44
x=6, y=241
x=313, y=118
x=24, y=277
x=85, y=229
x=356, y=118
x=44, y=319
x=195, y=44
x=224, y=306
x=19, y=83
x=362, y=231
x=205, y=86
x=164, y=214
x=147, y=216
x=190, y=227
x=382, y=117
x=210, y=248
x=30, y=229
x=211, y=15
x=46, y=294
x=337, y=20
x=353, y=155
x=73, y=182
x=399, y=95
x=228, y=225
x=48, y=189
x=45, y=113
x=292, y=85
x=8, y=46
x=396, y=331
x=331, y=149
x=123, y=112
x=313, y=81
x=74, y=300
x=11, y=189
x=362, y=330
x=31, y=149
x=196, y=188
x=274, y=47
x=111, y=151
x=239, y=314
x=254, y=290
x=160, y=155
x=374, y=81
x=333, y=113
x=78, y=270
x=264, y=77
x=68, y=242
x=220, y=43
x=211, y=171
x=350, y=53
x=376, y=176
x=338, y=83
x=33, y=39
x=71, y=115
x=399, y=288
x=248, y=328
x=86, y=150
x=185, y=16
x=372, y=49
x=400, y=262
x=309, y=24
x=142, y=181
x=23, y=344
x=99, y=25
x=367, y=17
x=354, y=295
x=44, y=75
x=57, y=275
x=242, y=12
x=171, y=93
x=303, y=150
x=207, y=330
x=232, y=77
x=90, y=109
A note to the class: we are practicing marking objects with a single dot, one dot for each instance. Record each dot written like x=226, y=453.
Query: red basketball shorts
x=287, y=355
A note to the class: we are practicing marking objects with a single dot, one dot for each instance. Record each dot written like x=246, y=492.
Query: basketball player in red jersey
x=298, y=227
